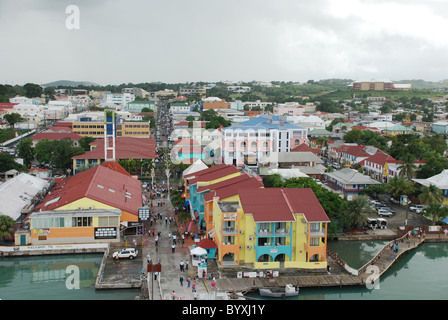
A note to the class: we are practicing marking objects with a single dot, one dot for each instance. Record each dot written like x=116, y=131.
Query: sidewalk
x=169, y=278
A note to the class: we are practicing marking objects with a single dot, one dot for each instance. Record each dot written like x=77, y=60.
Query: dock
x=243, y=285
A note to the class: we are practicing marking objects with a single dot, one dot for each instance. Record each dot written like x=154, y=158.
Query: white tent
x=197, y=255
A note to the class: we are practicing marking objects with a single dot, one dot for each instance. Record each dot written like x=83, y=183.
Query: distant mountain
x=423, y=84
x=68, y=83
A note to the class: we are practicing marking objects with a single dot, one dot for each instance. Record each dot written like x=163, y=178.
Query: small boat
x=287, y=291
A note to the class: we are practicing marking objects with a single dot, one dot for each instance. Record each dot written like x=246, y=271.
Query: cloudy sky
x=212, y=40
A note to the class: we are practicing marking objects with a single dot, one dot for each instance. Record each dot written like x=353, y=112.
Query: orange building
x=214, y=103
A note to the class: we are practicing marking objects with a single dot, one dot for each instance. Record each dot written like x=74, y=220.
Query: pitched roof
x=125, y=148
x=229, y=187
x=280, y=204
x=107, y=183
x=379, y=158
x=305, y=148
x=351, y=176
x=222, y=172
x=56, y=136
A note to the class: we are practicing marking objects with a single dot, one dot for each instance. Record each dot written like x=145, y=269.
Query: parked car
x=130, y=253
x=394, y=201
x=416, y=208
x=384, y=213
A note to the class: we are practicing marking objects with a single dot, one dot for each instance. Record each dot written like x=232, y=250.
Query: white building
x=20, y=99
x=120, y=99
x=258, y=137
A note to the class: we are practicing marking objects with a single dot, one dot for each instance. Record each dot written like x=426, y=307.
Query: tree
x=57, y=153
x=12, y=118
x=430, y=195
x=407, y=167
x=7, y=162
x=398, y=186
x=85, y=142
x=358, y=211
x=436, y=212
x=26, y=151
x=6, y=226
x=33, y=90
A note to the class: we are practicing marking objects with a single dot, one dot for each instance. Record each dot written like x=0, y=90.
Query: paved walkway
x=169, y=279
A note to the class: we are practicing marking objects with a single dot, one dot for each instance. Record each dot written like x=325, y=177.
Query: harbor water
x=417, y=275
x=48, y=278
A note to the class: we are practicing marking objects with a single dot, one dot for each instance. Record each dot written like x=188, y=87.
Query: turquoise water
x=417, y=275
x=44, y=278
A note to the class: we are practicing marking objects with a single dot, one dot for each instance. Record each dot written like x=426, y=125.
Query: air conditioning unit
x=80, y=208
x=251, y=238
x=91, y=207
x=242, y=231
x=249, y=247
x=241, y=247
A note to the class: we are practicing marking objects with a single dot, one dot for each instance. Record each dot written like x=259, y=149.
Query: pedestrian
x=193, y=286
x=181, y=265
x=195, y=295
x=157, y=240
x=213, y=284
x=173, y=248
x=181, y=279
x=186, y=265
x=173, y=295
x=174, y=239
x=169, y=235
x=188, y=282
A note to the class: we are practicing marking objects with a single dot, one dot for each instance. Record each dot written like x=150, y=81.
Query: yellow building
x=137, y=129
x=107, y=186
x=271, y=228
x=75, y=226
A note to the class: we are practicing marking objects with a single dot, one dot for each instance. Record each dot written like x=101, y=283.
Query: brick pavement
x=169, y=278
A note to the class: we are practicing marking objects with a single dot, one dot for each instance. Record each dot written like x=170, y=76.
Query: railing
x=378, y=255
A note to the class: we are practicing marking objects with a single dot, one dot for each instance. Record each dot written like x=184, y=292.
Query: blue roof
x=263, y=122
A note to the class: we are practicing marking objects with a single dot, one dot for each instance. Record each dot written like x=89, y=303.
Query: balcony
x=229, y=231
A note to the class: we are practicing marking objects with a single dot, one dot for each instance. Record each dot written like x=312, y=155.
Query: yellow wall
x=85, y=203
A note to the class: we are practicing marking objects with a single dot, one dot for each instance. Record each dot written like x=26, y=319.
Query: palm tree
x=431, y=195
x=435, y=211
x=398, y=186
x=358, y=210
x=407, y=167
x=6, y=226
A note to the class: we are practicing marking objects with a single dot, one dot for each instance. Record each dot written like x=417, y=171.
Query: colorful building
x=107, y=186
x=75, y=226
x=271, y=228
x=203, y=178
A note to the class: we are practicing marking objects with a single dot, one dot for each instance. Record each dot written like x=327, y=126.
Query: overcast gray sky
x=212, y=40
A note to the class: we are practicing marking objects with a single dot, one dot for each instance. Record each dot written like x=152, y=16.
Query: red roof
x=378, y=158
x=280, y=204
x=125, y=148
x=60, y=128
x=222, y=172
x=205, y=171
x=108, y=183
x=56, y=136
x=207, y=244
x=229, y=187
x=305, y=148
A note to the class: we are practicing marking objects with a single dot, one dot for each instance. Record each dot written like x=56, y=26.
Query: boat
x=288, y=291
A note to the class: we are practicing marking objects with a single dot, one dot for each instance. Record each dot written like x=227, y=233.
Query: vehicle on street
x=130, y=253
x=416, y=208
x=384, y=213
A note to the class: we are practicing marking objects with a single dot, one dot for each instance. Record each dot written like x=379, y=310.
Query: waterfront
x=415, y=276
x=418, y=275
x=44, y=278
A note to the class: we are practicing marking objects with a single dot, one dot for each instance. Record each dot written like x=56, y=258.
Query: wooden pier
x=244, y=285
x=371, y=271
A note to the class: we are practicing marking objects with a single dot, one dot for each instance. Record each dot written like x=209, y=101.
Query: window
x=81, y=221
